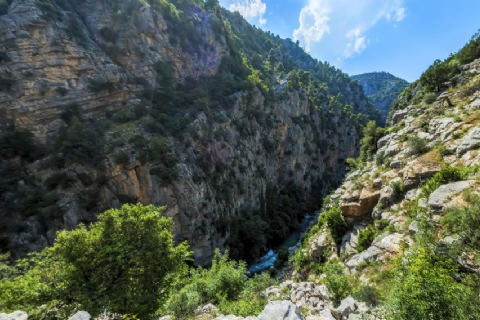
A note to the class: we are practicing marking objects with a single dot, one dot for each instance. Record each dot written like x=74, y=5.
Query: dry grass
x=432, y=158
x=473, y=118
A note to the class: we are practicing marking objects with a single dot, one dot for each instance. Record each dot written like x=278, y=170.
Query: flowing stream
x=265, y=262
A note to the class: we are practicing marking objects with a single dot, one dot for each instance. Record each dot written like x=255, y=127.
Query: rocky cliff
x=415, y=198
x=107, y=102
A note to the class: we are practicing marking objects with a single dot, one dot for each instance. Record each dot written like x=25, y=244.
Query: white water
x=266, y=262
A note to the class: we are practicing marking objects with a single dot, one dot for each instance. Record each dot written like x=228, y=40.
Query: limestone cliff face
x=53, y=57
x=225, y=167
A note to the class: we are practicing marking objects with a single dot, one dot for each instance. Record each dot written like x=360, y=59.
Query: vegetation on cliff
x=381, y=89
x=410, y=205
x=125, y=263
x=182, y=127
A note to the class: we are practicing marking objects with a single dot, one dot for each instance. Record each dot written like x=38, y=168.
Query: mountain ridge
x=381, y=89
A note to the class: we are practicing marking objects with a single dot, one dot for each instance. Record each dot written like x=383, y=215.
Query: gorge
x=166, y=159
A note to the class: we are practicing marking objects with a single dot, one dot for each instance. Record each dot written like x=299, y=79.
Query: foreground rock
x=382, y=248
x=443, y=194
x=17, y=315
x=275, y=310
x=80, y=315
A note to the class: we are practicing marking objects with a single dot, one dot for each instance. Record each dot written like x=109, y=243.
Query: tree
x=435, y=76
x=125, y=263
x=368, y=144
x=211, y=5
x=425, y=289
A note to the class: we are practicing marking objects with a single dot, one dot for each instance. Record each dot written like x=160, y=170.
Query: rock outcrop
x=99, y=63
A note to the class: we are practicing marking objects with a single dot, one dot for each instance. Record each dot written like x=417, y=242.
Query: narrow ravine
x=267, y=261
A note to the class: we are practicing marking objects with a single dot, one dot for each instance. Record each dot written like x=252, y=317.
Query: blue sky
x=402, y=37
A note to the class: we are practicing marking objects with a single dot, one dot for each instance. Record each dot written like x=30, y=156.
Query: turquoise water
x=265, y=262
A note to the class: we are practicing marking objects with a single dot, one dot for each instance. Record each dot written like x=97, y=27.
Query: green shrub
x=335, y=222
x=368, y=144
x=337, y=282
x=429, y=98
x=425, y=288
x=3, y=7
x=125, y=263
x=3, y=55
x=380, y=158
x=121, y=158
x=62, y=91
x=19, y=143
x=416, y=145
x=109, y=34
x=367, y=294
x=446, y=175
x=59, y=179
x=365, y=238
x=6, y=84
x=224, y=284
x=96, y=85
x=464, y=221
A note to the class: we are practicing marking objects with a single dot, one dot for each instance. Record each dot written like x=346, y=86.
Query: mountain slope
x=381, y=89
x=173, y=103
x=400, y=229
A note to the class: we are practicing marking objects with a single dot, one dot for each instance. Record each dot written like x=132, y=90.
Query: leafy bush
x=365, y=238
x=367, y=294
x=465, y=222
x=223, y=284
x=424, y=288
x=417, y=145
x=97, y=85
x=446, y=175
x=126, y=263
x=62, y=91
x=429, y=98
x=338, y=282
x=19, y=143
x=368, y=144
x=6, y=84
x=3, y=55
x=121, y=158
x=380, y=158
x=335, y=222
x=109, y=34
x=59, y=179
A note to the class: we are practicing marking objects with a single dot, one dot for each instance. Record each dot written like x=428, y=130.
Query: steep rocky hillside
x=172, y=103
x=401, y=232
x=381, y=89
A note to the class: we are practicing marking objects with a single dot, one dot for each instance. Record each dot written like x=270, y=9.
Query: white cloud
x=250, y=9
x=357, y=43
x=342, y=25
x=313, y=23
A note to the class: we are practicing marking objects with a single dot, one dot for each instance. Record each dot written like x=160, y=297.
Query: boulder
x=383, y=141
x=81, y=315
x=377, y=183
x=413, y=227
x=347, y=306
x=399, y=116
x=281, y=310
x=440, y=197
x=418, y=172
x=318, y=245
x=326, y=315
x=471, y=141
x=17, y=315
x=383, y=246
x=392, y=150
x=396, y=164
x=367, y=201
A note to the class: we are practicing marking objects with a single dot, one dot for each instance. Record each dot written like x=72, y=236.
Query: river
x=265, y=262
